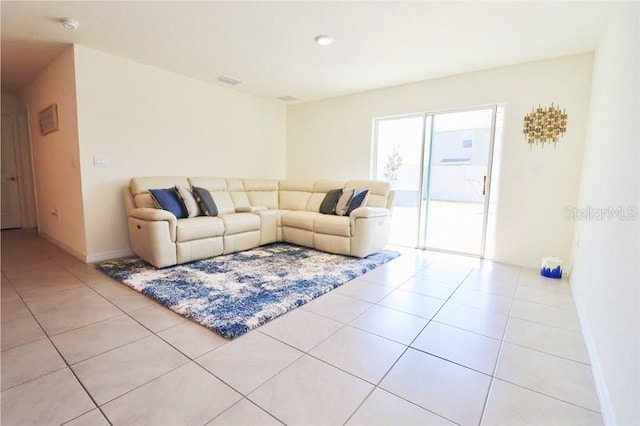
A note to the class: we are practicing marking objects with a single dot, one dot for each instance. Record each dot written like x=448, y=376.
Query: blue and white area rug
x=235, y=293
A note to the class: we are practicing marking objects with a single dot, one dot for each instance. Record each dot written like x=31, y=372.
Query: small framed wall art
x=48, y=119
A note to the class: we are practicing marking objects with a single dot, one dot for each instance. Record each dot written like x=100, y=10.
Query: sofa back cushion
x=218, y=189
x=168, y=199
x=330, y=201
x=262, y=192
x=140, y=187
x=188, y=200
x=295, y=194
x=378, y=191
x=205, y=202
x=320, y=189
x=359, y=199
x=237, y=193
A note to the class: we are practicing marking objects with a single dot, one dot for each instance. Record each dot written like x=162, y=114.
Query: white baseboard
x=108, y=255
x=62, y=245
x=608, y=415
x=518, y=262
x=89, y=258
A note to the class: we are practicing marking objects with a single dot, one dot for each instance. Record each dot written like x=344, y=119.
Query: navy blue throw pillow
x=168, y=199
x=205, y=201
x=359, y=198
x=328, y=205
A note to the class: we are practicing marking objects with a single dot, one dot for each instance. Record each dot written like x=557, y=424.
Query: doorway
x=439, y=165
x=11, y=200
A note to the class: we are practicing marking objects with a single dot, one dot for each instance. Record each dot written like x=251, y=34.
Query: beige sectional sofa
x=254, y=212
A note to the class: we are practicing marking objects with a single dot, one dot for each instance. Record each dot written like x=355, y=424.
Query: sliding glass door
x=400, y=144
x=439, y=164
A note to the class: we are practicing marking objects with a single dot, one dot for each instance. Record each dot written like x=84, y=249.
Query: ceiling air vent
x=229, y=80
x=288, y=98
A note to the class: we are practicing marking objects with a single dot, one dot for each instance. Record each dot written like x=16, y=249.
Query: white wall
x=148, y=121
x=55, y=155
x=332, y=138
x=606, y=278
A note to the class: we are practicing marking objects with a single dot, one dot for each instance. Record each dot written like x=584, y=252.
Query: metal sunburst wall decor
x=545, y=125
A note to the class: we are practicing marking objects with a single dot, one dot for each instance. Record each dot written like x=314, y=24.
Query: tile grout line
x=308, y=353
x=548, y=396
x=33, y=379
x=244, y=398
x=189, y=359
x=493, y=376
x=495, y=367
x=546, y=353
x=68, y=366
x=54, y=345
x=110, y=350
x=377, y=385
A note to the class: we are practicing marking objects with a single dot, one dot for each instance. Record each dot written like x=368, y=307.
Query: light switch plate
x=99, y=161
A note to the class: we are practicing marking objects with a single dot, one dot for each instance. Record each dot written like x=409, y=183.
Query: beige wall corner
x=606, y=272
x=146, y=121
x=55, y=159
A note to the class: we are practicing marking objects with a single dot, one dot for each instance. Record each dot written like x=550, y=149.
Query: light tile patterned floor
x=428, y=339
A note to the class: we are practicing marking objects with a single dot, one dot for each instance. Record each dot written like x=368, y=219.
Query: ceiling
x=270, y=45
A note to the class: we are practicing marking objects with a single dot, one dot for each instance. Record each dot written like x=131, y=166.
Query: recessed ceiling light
x=324, y=40
x=288, y=98
x=70, y=24
x=229, y=80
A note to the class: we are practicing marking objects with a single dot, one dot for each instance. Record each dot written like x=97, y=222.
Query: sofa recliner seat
x=254, y=212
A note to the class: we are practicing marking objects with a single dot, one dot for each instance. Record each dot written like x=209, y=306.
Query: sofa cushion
x=378, y=191
x=332, y=225
x=169, y=200
x=320, y=189
x=279, y=214
x=223, y=202
x=219, y=192
x=299, y=220
x=330, y=201
x=262, y=192
x=189, y=201
x=359, y=199
x=294, y=194
x=144, y=201
x=196, y=228
x=343, y=201
x=237, y=223
x=205, y=201
x=210, y=183
x=294, y=200
x=140, y=188
x=238, y=194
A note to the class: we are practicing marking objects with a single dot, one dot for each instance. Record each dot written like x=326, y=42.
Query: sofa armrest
x=251, y=209
x=156, y=215
x=366, y=213
x=370, y=212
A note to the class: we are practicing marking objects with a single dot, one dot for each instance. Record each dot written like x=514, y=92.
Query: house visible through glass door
x=439, y=164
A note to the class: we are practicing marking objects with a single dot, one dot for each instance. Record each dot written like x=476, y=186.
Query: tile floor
x=426, y=339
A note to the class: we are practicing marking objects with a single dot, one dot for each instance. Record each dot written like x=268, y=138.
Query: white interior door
x=11, y=217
